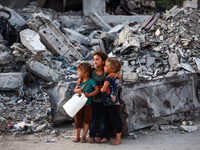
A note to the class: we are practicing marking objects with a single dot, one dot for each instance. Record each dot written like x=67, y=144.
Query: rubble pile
x=170, y=48
x=50, y=50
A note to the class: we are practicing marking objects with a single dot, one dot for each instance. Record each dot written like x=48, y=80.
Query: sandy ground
x=172, y=139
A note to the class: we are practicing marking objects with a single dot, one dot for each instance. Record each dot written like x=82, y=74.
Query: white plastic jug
x=73, y=105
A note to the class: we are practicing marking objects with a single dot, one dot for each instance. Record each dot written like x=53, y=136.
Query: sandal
x=98, y=140
x=104, y=140
x=116, y=142
x=76, y=140
x=83, y=140
x=91, y=140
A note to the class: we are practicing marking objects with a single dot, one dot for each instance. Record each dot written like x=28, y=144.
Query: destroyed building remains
x=159, y=55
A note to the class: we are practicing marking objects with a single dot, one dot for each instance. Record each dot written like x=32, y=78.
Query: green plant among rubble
x=168, y=4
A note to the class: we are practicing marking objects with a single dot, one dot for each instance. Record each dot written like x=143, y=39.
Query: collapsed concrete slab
x=11, y=81
x=110, y=19
x=31, y=40
x=44, y=71
x=161, y=101
x=143, y=104
x=53, y=38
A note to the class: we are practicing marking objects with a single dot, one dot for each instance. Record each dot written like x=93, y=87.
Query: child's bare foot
x=98, y=140
x=83, y=140
x=104, y=140
x=116, y=142
x=76, y=140
x=91, y=140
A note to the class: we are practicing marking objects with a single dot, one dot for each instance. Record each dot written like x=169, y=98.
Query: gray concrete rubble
x=52, y=37
x=11, y=81
x=159, y=54
x=31, y=40
x=44, y=71
x=141, y=101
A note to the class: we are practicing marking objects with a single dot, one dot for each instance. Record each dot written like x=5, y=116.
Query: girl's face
x=80, y=73
x=97, y=61
x=107, y=68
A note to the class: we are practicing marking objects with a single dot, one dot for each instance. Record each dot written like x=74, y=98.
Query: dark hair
x=85, y=67
x=100, y=53
x=114, y=63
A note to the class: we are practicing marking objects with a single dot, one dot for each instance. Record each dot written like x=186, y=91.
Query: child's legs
x=101, y=115
x=78, y=131
x=93, y=124
x=85, y=130
x=114, y=118
x=87, y=117
x=108, y=127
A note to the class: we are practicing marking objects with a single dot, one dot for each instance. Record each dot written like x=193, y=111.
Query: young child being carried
x=111, y=101
x=89, y=88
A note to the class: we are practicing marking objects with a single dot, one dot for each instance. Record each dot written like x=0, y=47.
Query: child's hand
x=113, y=75
x=79, y=91
x=86, y=94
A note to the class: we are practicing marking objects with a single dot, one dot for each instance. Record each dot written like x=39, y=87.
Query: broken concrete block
x=3, y=123
x=98, y=43
x=76, y=37
x=172, y=12
x=190, y=4
x=169, y=74
x=150, y=61
x=105, y=36
x=91, y=6
x=187, y=67
x=116, y=29
x=141, y=100
x=53, y=38
x=11, y=81
x=5, y=58
x=188, y=128
x=97, y=19
x=173, y=60
x=130, y=77
x=41, y=128
x=31, y=40
x=198, y=63
x=44, y=71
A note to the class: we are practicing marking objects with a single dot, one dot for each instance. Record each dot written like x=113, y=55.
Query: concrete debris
x=52, y=37
x=190, y=4
x=159, y=56
x=11, y=81
x=44, y=71
x=5, y=58
x=188, y=128
x=31, y=40
x=3, y=123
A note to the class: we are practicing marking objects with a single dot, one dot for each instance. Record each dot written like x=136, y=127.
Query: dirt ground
x=172, y=139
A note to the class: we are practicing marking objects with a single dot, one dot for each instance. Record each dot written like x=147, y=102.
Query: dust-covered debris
x=167, y=45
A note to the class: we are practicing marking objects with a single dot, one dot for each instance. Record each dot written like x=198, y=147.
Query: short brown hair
x=100, y=53
x=114, y=63
x=85, y=67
